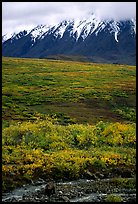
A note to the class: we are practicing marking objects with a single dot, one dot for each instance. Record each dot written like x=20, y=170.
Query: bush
x=43, y=148
x=113, y=198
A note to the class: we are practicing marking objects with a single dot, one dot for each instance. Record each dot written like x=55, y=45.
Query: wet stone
x=65, y=199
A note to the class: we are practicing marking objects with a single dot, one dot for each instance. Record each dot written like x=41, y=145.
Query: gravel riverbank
x=74, y=191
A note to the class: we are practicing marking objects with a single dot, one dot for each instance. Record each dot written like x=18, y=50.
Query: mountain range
x=88, y=39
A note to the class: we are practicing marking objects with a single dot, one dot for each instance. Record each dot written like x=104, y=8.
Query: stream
x=82, y=190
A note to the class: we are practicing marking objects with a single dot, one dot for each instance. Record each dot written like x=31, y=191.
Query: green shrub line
x=45, y=149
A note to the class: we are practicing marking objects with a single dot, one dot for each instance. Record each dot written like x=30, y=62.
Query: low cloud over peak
x=17, y=16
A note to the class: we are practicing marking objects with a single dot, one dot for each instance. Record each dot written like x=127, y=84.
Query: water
x=82, y=190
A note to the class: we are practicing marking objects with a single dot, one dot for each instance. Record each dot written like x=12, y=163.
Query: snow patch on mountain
x=76, y=28
x=38, y=32
x=115, y=28
x=86, y=30
x=14, y=36
x=116, y=36
x=8, y=36
x=100, y=28
x=60, y=29
x=134, y=25
x=85, y=27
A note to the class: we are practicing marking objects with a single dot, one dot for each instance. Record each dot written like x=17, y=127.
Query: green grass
x=85, y=92
x=63, y=119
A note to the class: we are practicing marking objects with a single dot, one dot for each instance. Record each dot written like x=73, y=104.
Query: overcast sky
x=17, y=16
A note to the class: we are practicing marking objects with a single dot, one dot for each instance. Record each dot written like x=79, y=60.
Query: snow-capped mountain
x=95, y=39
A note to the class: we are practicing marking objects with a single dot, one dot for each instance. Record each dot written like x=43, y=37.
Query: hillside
x=67, y=120
x=84, y=92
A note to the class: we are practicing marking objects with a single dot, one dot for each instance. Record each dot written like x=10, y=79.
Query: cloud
x=17, y=16
x=117, y=10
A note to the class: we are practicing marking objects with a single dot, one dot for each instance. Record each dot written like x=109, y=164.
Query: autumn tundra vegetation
x=67, y=120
